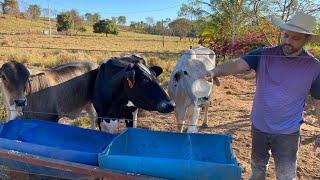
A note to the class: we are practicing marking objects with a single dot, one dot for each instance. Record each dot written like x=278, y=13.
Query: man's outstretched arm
x=230, y=67
x=238, y=65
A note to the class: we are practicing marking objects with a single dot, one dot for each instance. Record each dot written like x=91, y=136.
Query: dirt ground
x=230, y=114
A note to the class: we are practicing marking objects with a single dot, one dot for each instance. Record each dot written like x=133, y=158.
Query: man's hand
x=208, y=75
x=211, y=77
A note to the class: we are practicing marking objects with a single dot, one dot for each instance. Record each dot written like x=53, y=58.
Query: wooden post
x=49, y=18
x=162, y=33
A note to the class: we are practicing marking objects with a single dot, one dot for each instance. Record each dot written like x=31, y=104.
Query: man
x=285, y=75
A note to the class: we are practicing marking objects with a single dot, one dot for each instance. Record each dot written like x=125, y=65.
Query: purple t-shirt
x=282, y=85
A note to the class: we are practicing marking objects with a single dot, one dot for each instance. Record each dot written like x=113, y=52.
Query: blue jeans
x=284, y=149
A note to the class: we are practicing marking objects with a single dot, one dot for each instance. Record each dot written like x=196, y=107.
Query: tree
x=138, y=26
x=96, y=17
x=106, y=26
x=45, y=12
x=234, y=16
x=87, y=16
x=73, y=13
x=34, y=11
x=180, y=27
x=10, y=7
x=78, y=23
x=64, y=21
x=92, y=18
x=1, y=7
x=76, y=20
x=114, y=19
x=122, y=20
x=283, y=9
x=150, y=20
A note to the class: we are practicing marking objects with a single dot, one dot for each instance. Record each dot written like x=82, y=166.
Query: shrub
x=64, y=21
x=106, y=26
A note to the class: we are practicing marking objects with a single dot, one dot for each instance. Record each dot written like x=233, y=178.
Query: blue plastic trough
x=172, y=155
x=56, y=141
x=41, y=147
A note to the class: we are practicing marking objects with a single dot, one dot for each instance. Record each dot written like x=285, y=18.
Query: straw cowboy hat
x=300, y=23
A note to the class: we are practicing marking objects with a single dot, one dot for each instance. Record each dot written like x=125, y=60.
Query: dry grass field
x=231, y=102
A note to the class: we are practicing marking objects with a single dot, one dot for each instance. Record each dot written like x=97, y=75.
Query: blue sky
x=134, y=10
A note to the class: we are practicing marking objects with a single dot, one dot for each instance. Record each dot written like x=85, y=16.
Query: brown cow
x=61, y=91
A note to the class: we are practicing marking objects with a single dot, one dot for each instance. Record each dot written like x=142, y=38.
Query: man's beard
x=289, y=50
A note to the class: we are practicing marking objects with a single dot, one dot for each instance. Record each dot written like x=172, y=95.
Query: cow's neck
x=118, y=103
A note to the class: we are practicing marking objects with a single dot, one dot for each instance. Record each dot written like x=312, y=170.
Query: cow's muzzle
x=20, y=102
x=165, y=107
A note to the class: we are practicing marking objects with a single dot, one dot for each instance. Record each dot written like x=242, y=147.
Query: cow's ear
x=2, y=76
x=157, y=70
x=177, y=76
x=130, y=78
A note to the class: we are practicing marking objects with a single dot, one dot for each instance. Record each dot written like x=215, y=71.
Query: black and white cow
x=125, y=79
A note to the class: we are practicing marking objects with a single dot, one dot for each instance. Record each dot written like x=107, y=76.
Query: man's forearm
x=230, y=67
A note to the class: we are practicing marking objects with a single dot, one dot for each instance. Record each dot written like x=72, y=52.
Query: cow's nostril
x=171, y=106
x=20, y=102
x=165, y=107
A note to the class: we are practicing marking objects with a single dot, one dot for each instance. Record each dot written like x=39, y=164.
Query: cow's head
x=192, y=65
x=14, y=79
x=142, y=88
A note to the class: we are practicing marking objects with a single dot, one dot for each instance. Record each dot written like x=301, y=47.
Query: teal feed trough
x=171, y=155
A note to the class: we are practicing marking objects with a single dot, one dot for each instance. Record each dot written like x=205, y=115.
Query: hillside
x=23, y=40
x=11, y=24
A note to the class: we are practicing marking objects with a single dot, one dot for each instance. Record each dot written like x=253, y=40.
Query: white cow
x=188, y=90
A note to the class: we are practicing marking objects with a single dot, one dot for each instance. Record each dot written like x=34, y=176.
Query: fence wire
x=177, y=53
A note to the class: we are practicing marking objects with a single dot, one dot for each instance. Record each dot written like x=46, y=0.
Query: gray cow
x=62, y=91
x=188, y=90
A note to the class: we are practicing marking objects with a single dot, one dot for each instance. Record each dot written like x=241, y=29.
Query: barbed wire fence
x=151, y=121
x=158, y=53
x=176, y=53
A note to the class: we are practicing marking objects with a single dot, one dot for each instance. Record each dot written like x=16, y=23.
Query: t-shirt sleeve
x=252, y=58
x=315, y=88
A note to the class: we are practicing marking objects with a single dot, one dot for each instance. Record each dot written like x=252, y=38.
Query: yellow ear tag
x=130, y=84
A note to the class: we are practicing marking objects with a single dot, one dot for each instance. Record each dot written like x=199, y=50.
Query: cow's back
x=60, y=90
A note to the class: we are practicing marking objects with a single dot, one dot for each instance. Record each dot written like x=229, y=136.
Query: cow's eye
x=3, y=77
x=145, y=81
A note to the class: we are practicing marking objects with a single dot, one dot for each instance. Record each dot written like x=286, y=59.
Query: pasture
x=231, y=102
